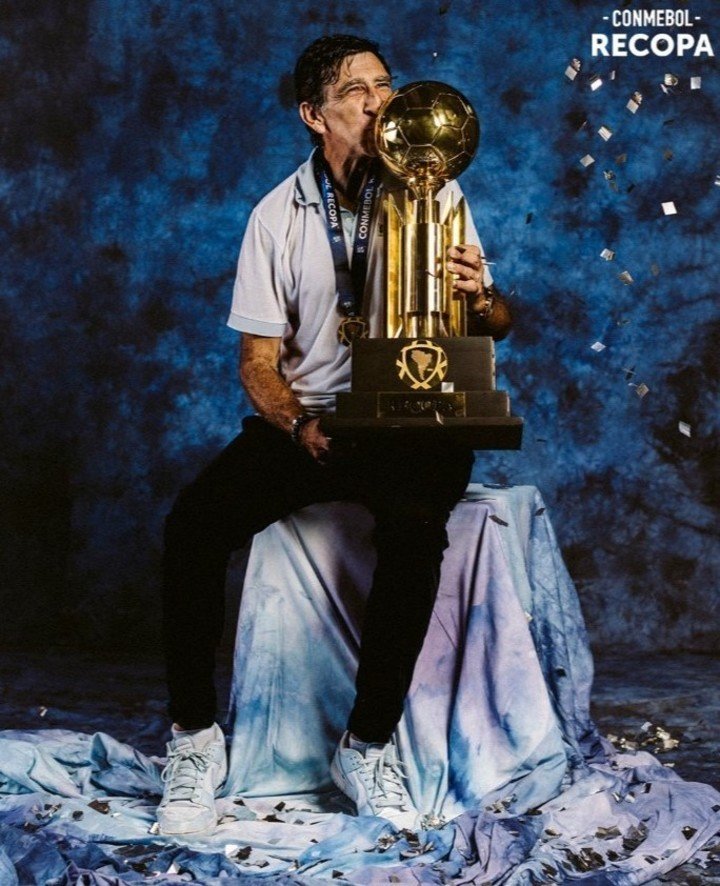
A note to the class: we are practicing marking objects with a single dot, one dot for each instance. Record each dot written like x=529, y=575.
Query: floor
x=668, y=704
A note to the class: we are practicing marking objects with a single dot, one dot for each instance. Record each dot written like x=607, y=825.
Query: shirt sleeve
x=471, y=234
x=258, y=303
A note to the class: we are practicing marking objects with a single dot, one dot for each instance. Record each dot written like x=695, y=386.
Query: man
x=294, y=288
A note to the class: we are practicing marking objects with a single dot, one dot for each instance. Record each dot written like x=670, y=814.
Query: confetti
x=626, y=277
x=101, y=806
x=595, y=82
x=668, y=154
x=696, y=83
x=621, y=158
x=587, y=160
x=669, y=208
x=42, y=711
x=608, y=254
x=173, y=869
x=609, y=175
x=605, y=133
x=597, y=347
x=573, y=69
x=634, y=102
x=641, y=390
x=629, y=372
x=685, y=428
x=717, y=180
x=612, y=74
x=670, y=80
x=154, y=828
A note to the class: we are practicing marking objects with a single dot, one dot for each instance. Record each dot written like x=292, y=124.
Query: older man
x=299, y=278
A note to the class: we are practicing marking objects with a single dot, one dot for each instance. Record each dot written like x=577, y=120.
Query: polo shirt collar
x=307, y=192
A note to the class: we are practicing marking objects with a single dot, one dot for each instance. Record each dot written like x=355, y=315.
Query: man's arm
x=271, y=395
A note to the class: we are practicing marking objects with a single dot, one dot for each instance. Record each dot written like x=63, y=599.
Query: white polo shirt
x=285, y=286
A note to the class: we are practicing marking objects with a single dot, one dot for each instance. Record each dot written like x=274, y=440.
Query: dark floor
x=122, y=695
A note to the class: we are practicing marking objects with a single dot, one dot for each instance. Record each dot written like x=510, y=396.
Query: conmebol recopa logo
x=680, y=37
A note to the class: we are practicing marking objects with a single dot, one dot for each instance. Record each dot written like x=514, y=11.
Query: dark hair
x=319, y=66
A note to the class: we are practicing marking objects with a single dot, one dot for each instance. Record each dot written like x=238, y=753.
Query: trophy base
x=493, y=432
x=443, y=387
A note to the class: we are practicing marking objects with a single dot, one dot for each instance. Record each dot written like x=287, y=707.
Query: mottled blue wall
x=136, y=136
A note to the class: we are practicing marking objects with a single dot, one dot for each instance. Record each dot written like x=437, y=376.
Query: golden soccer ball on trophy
x=427, y=131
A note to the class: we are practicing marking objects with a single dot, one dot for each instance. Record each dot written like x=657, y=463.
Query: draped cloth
x=500, y=751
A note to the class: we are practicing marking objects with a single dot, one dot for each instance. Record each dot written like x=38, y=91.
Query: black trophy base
x=420, y=387
x=499, y=432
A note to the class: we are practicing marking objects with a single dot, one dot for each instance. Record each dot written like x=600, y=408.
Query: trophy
x=426, y=375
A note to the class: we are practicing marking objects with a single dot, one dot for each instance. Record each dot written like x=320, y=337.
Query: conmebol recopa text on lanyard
x=349, y=278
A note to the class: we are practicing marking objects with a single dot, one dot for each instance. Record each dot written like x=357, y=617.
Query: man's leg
x=259, y=478
x=411, y=494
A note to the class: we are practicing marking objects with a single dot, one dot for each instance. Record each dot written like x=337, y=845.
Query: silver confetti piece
x=641, y=390
x=605, y=133
x=626, y=277
x=573, y=69
x=696, y=83
x=669, y=208
x=717, y=180
x=607, y=254
x=597, y=347
x=634, y=102
x=609, y=175
x=670, y=80
x=685, y=428
x=587, y=160
x=596, y=82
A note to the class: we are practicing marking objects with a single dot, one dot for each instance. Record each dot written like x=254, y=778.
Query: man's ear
x=312, y=117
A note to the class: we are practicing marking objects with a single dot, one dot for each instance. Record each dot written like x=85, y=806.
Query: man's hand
x=313, y=439
x=467, y=263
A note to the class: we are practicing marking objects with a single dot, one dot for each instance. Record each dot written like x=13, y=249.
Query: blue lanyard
x=349, y=279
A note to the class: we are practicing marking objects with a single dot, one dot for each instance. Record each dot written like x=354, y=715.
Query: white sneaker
x=196, y=768
x=373, y=779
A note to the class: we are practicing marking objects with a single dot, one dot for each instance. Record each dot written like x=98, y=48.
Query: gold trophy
x=426, y=376
x=426, y=134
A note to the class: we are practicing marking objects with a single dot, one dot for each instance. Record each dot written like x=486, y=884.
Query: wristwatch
x=298, y=423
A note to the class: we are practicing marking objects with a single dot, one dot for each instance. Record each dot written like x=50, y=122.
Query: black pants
x=258, y=479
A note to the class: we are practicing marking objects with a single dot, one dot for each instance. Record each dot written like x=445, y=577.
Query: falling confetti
x=596, y=82
x=634, y=102
x=608, y=254
x=641, y=390
x=670, y=80
x=587, y=160
x=605, y=133
x=621, y=158
x=597, y=347
x=696, y=83
x=573, y=69
x=625, y=277
x=685, y=428
x=669, y=208
x=668, y=154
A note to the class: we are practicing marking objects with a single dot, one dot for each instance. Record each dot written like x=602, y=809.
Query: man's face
x=347, y=115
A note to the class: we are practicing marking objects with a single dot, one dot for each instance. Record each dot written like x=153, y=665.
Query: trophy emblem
x=422, y=364
x=426, y=134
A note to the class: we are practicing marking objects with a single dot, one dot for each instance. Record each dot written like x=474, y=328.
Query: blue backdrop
x=136, y=137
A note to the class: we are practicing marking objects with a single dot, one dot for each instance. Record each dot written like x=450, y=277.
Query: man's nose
x=373, y=99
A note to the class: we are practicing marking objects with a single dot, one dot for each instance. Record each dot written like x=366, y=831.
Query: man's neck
x=348, y=175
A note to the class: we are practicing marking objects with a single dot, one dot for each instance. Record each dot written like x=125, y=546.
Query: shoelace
x=387, y=779
x=183, y=769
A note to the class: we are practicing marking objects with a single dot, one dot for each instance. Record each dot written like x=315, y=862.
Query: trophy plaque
x=426, y=375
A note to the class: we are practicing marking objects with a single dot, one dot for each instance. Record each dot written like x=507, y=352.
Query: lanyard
x=349, y=279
